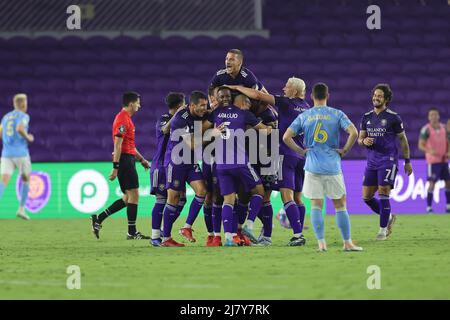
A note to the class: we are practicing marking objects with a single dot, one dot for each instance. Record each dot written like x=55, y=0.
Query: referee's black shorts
x=127, y=174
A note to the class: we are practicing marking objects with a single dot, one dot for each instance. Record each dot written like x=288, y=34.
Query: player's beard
x=378, y=105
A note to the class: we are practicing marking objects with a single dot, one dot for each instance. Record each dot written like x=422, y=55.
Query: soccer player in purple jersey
x=235, y=171
x=212, y=209
x=178, y=174
x=379, y=130
x=174, y=101
x=291, y=173
x=433, y=141
x=235, y=74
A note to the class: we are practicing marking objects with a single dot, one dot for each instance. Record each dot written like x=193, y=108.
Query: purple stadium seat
x=112, y=85
x=439, y=68
x=333, y=40
x=46, y=70
x=121, y=42
x=355, y=40
x=164, y=56
x=113, y=55
x=414, y=68
x=231, y=42
x=179, y=70
x=33, y=84
x=428, y=82
x=152, y=69
x=99, y=71
x=202, y=42
x=151, y=42
x=140, y=85
x=383, y=40
x=72, y=100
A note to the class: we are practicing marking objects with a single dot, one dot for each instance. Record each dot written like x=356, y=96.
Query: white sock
x=187, y=226
x=166, y=238
x=384, y=230
x=229, y=236
x=216, y=234
x=156, y=233
x=211, y=234
x=249, y=224
x=297, y=235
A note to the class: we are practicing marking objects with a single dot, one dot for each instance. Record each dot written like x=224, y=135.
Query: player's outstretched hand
x=408, y=169
x=30, y=138
x=113, y=174
x=145, y=164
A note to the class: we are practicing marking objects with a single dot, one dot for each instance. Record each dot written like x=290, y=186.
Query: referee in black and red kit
x=124, y=159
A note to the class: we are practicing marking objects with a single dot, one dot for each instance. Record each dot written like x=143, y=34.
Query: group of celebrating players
x=234, y=186
x=234, y=192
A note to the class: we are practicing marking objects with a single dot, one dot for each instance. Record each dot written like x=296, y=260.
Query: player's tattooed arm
x=353, y=136
x=254, y=94
x=406, y=152
x=289, y=141
x=142, y=160
x=27, y=136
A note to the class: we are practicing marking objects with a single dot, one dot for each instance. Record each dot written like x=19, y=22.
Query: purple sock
x=241, y=211
x=447, y=196
x=207, y=213
x=227, y=217
x=157, y=213
x=254, y=207
x=217, y=218
x=266, y=216
x=373, y=204
x=302, y=211
x=194, y=209
x=430, y=199
x=169, y=215
x=293, y=216
x=385, y=211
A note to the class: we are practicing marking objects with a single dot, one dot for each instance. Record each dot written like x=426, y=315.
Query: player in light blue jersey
x=323, y=174
x=15, y=155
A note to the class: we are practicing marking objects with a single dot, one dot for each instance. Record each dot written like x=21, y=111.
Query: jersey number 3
x=320, y=135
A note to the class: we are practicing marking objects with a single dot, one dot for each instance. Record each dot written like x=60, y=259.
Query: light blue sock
x=343, y=222
x=2, y=189
x=24, y=193
x=318, y=223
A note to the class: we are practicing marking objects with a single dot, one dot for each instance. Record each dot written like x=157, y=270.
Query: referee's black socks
x=116, y=206
x=132, y=215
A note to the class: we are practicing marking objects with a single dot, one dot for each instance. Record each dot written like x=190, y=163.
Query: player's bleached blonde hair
x=298, y=84
x=18, y=98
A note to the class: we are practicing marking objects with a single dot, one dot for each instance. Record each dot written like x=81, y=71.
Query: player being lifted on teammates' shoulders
x=321, y=126
x=380, y=128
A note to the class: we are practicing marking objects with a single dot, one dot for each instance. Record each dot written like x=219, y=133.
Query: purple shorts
x=179, y=175
x=380, y=177
x=438, y=171
x=210, y=176
x=291, y=173
x=231, y=179
x=158, y=181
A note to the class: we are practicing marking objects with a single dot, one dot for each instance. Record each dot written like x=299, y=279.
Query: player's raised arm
x=254, y=94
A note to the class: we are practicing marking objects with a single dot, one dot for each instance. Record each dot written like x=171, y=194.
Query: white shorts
x=317, y=186
x=10, y=164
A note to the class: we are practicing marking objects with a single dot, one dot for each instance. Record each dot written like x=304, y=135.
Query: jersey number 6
x=320, y=136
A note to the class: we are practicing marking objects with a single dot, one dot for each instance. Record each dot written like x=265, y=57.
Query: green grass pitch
x=34, y=256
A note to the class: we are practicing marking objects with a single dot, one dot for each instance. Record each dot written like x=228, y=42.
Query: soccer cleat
x=96, y=226
x=209, y=241
x=232, y=242
x=187, y=234
x=171, y=243
x=390, y=224
x=264, y=242
x=245, y=241
x=246, y=231
x=282, y=218
x=429, y=210
x=349, y=247
x=21, y=214
x=217, y=242
x=137, y=236
x=381, y=236
x=156, y=242
x=297, y=242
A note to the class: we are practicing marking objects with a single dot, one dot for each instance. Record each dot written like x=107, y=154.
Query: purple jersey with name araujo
x=384, y=128
x=162, y=140
x=183, y=120
x=288, y=110
x=234, y=119
x=244, y=78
